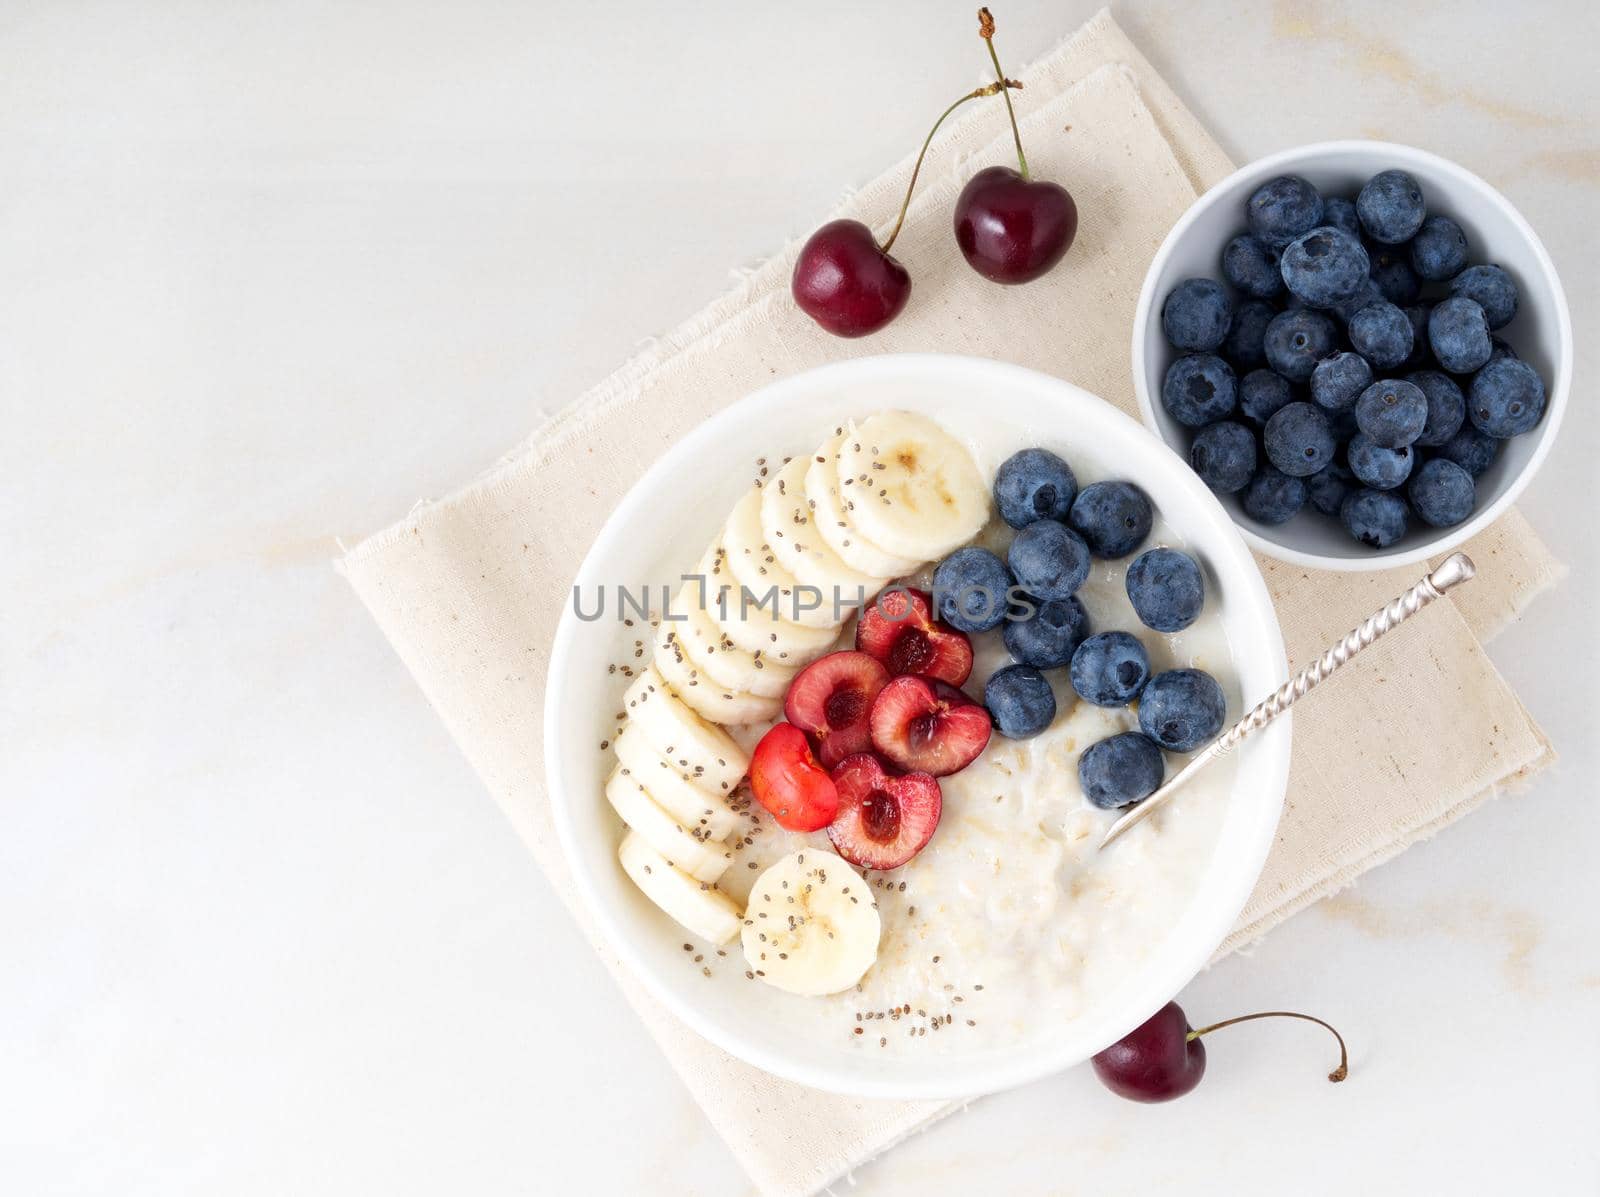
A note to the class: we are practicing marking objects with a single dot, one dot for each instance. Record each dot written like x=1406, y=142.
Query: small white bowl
x=661, y=528
x=1496, y=232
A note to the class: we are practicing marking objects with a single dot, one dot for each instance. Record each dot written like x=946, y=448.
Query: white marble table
x=268, y=273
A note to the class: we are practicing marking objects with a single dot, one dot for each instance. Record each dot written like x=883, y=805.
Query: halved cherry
x=954, y=695
x=900, y=630
x=788, y=782
x=831, y=699
x=919, y=729
x=883, y=821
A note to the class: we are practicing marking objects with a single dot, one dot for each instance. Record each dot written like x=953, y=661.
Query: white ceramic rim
x=1286, y=161
x=1228, y=555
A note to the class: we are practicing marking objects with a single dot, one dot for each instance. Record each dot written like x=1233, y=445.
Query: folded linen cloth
x=469, y=589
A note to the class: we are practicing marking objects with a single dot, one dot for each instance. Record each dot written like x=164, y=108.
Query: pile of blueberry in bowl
x=1353, y=379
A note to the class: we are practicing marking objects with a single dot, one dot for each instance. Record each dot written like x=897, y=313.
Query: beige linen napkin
x=469, y=589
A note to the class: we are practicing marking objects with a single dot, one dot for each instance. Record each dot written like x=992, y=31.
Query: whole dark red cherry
x=1163, y=1057
x=845, y=280
x=1156, y=1061
x=846, y=283
x=1013, y=229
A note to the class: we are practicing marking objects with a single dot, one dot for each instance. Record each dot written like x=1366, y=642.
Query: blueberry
x=1381, y=333
x=1048, y=560
x=1109, y=669
x=1324, y=266
x=1390, y=207
x=1120, y=770
x=1392, y=413
x=1049, y=635
x=1472, y=450
x=1112, y=517
x=1224, y=455
x=1491, y=289
x=1447, y=406
x=1338, y=381
x=1282, y=209
x=1299, y=439
x=1032, y=485
x=1417, y=314
x=970, y=588
x=1439, y=250
x=1181, y=709
x=1274, y=497
x=1328, y=488
x=1196, y=314
x=1251, y=267
x=1341, y=214
x=1198, y=389
x=1379, y=467
x=1505, y=398
x=1392, y=274
x=1297, y=340
x=1262, y=392
x=1167, y=589
x=1442, y=493
x=1499, y=349
x=1247, y=335
x=1458, y=332
x=1374, y=517
x=1020, y=701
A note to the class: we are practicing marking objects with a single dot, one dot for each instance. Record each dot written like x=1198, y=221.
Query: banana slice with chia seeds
x=701, y=909
x=924, y=495
x=757, y=628
x=688, y=679
x=831, y=499
x=699, y=856
x=723, y=661
x=811, y=926
x=698, y=748
x=689, y=799
x=755, y=566
x=788, y=524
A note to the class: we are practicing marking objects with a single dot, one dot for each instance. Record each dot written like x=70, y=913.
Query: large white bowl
x=662, y=527
x=1496, y=232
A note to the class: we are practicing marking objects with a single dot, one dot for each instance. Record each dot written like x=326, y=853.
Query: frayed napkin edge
x=1513, y=784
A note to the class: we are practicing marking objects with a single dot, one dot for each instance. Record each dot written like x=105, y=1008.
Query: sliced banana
x=924, y=495
x=753, y=628
x=811, y=926
x=831, y=503
x=720, y=658
x=682, y=737
x=704, y=859
x=701, y=909
x=683, y=796
x=786, y=520
x=684, y=675
x=755, y=566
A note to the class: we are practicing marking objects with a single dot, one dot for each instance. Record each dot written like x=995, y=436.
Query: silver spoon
x=1453, y=570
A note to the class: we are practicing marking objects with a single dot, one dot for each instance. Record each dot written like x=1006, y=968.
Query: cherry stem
x=986, y=32
x=1337, y=1075
x=975, y=94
